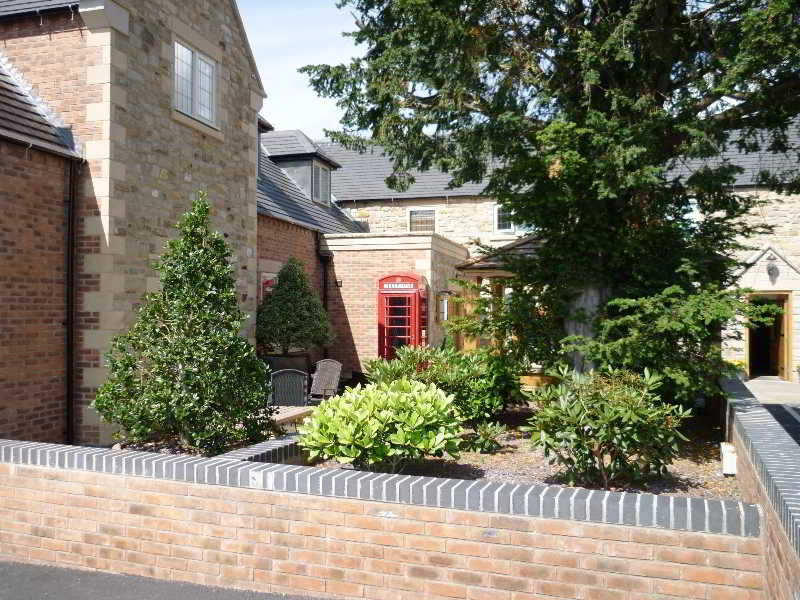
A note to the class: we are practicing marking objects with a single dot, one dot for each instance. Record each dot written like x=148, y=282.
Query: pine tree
x=183, y=369
x=292, y=316
x=581, y=115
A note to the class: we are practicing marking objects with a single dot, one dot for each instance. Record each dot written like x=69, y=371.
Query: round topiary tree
x=292, y=316
x=183, y=369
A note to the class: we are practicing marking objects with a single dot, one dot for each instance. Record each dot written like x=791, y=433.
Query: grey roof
x=363, y=177
x=293, y=143
x=751, y=162
x=497, y=259
x=21, y=7
x=280, y=197
x=22, y=120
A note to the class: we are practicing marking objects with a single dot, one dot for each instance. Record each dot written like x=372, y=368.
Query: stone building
x=161, y=100
x=464, y=215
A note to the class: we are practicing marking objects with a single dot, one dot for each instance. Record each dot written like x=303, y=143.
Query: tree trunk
x=584, y=309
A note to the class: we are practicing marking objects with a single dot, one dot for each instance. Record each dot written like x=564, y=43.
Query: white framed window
x=422, y=220
x=195, y=84
x=321, y=184
x=504, y=221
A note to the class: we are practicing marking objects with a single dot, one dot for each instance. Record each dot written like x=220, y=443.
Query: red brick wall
x=32, y=297
x=295, y=543
x=782, y=563
x=53, y=55
x=279, y=241
x=353, y=307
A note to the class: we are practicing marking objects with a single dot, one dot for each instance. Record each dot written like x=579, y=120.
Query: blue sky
x=286, y=35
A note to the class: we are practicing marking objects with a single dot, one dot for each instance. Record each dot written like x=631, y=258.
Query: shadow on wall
x=343, y=348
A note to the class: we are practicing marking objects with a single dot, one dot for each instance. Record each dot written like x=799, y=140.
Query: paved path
x=773, y=390
x=20, y=581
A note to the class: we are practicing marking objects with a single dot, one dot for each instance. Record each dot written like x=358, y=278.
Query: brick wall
x=782, y=572
x=341, y=547
x=278, y=241
x=767, y=442
x=353, y=307
x=32, y=298
x=55, y=55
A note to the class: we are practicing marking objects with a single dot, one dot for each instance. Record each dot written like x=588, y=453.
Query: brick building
x=160, y=100
x=38, y=169
x=298, y=217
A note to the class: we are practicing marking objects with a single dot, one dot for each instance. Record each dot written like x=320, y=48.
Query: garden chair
x=325, y=380
x=289, y=388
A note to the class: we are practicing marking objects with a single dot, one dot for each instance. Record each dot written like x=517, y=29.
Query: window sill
x=198, y=125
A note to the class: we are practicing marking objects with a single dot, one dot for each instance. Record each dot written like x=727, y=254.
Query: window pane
x=326, y=185
x=315, y=185
x=205, y=89
x=183, y=79
x=504, y=222
x=422, y=221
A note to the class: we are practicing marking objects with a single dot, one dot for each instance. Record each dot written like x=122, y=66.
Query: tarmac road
x=19, y=581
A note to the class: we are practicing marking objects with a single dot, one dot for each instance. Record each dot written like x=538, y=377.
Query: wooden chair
x=325, y=380
x=289, y=388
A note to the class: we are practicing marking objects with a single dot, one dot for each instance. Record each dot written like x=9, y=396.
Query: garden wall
x=767, y=442
x=349, y=534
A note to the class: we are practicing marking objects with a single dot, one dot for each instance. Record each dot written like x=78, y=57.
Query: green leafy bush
x=383, y=426
x=183, y=370
x=486, y=438
x=292, y=315
x=483, y=383
x=607, y=426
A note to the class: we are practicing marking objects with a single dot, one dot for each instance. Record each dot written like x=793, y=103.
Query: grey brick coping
x=771, y=436
x=279, y=450
x=616, y=508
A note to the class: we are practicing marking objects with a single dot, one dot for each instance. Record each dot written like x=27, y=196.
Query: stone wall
x=783, y=214
x=107, y=73
x=33, y=188
x=347, y=534
x=464, y=220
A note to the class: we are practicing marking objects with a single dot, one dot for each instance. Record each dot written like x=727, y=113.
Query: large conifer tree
x=581, y=114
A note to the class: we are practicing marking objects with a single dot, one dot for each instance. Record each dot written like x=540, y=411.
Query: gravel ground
x=697, y=471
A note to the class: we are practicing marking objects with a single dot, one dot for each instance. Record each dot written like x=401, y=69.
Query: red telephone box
x=402, y=313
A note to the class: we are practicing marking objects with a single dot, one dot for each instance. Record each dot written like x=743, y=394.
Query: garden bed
x=697, y=472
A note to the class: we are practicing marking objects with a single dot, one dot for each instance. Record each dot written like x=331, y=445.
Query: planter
x=530, y=381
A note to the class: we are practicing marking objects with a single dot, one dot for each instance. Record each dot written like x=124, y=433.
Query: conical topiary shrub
x=292, y=316
x=183, y=369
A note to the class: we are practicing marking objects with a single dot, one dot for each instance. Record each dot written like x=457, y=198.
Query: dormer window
x=321, y=184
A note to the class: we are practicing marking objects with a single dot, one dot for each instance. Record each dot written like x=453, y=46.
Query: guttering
x=69, y=291
x=325, y=257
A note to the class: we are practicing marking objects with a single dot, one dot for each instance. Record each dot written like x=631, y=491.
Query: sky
x=286, y=35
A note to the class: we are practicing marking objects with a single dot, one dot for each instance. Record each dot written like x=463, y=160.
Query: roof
x=496, y=260
x=363, y=177
x=280, y=197
x=21, y=7
x=25, y=121
x=751, y=162
x=293, y=143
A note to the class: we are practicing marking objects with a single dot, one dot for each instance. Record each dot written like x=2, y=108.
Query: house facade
x=160, y=100
x=464, y=215
x=381, y=289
